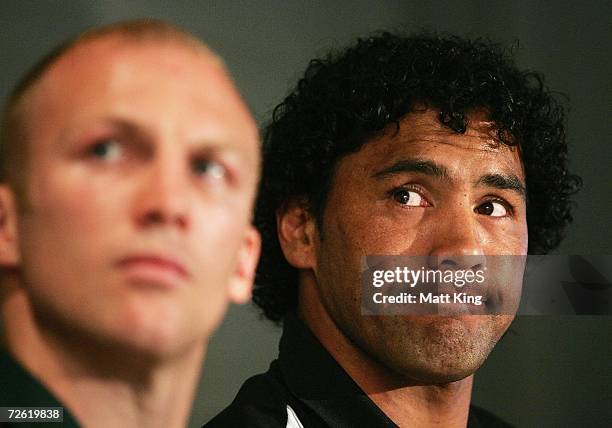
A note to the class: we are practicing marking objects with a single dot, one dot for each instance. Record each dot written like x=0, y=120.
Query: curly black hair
x=348, y=97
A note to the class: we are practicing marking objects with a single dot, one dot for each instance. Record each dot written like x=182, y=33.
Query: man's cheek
x=213, y=248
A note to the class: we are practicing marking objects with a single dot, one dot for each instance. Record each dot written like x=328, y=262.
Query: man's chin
x=435, y=375
x=438, y=350
x=159, y=345
x=146, y=342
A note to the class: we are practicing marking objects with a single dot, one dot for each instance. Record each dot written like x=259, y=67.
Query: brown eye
x=492, y=208
x=408, y=197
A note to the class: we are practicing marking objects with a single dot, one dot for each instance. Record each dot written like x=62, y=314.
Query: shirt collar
x=315, y=378
x=18, y=388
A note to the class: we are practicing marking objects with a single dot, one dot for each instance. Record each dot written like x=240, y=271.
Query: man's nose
x=163, y=196
x=457, y=243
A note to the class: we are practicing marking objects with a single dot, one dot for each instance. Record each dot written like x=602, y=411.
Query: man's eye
x=108, y=150
x=209, y=168
x=492, y=208
x=409, y=198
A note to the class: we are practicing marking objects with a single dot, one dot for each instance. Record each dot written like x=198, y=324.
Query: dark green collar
x=19, y=388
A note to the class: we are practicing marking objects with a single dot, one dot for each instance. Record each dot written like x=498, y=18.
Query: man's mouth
x=154, y=269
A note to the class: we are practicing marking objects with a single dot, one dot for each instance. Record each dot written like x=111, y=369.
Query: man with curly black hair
x=402, y=145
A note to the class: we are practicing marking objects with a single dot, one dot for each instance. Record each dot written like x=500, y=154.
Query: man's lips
x=154, y=268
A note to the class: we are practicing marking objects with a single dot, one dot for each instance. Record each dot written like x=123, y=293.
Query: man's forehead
x=426, y=125
x=114, y=66
x=105, y=52
x=422, y=133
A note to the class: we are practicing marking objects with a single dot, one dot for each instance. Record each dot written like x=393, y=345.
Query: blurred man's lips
x=155, y=269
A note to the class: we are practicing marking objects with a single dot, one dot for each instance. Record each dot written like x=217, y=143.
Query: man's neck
x=405, y=402
x=101, y=386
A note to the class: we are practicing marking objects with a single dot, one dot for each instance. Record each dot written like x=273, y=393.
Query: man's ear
x=9, y=248
x=296, y=230
x=241, y=284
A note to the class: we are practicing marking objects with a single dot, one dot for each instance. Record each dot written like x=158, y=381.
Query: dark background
x=547, y=371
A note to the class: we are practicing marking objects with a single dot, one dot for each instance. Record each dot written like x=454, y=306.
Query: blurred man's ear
x=9, y=248
x=241, y=284
x=296, y=230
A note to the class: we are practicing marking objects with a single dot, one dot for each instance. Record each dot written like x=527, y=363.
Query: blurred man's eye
x=108, y=150
x=493, y=209
x=208, y=168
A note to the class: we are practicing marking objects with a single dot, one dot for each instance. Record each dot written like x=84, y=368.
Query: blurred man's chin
x=156, y=348
x=129, y=333
x=163, y=339
x=156, y=345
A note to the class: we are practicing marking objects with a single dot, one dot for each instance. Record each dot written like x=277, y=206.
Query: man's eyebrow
x=128, y=127
x=108, y=123
x=503, y=181
x=121, y=123
x=414, y=165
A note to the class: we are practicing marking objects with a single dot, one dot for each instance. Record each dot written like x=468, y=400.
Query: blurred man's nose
x=163, y=197
x=457, y=243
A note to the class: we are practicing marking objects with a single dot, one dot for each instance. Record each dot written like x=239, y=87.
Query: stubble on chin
x=433, y=349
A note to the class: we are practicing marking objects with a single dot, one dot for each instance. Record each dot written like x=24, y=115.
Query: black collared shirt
x=18, y=388
x=306, y=386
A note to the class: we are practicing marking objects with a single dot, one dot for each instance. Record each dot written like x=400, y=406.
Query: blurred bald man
x=128, y=172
